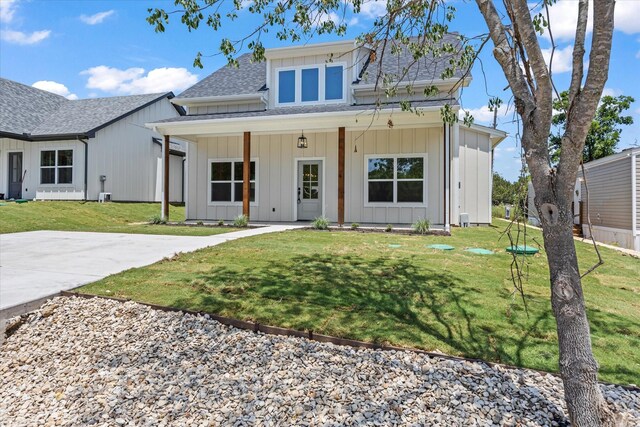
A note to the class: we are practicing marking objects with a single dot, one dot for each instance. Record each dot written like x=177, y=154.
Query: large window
x=395, y=179
x=226, y=181
x=310, y=84
x=56, y=167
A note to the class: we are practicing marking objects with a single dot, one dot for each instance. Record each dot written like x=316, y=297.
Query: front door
x=309, y=191
x=15, y=176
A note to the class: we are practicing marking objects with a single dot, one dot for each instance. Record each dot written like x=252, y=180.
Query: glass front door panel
x=310, y=182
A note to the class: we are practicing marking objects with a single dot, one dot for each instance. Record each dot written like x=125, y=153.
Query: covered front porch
x=368, y=169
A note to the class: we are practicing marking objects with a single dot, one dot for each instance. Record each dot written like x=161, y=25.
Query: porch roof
x=316, y=118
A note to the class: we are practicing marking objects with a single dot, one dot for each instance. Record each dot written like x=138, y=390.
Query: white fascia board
x=310, y=50
x=612, y=158
x=496, y=135
x=189, y=102
x=418, y=83
x=311, y=122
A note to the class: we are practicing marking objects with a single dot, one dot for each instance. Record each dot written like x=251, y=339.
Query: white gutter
x=186, y=102
x=612, y=158
x=634, y=197
x=446, y=82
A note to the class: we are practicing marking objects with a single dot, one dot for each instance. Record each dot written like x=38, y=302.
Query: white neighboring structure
x=614, y=199
x=247, y=129
x=52, y=148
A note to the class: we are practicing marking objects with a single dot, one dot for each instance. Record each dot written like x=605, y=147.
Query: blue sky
x=83, y=49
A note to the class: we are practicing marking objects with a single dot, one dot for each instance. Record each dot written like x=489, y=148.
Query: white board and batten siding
x=276, y=182
x=475, y=175
x=31, y=186
x=125, y=153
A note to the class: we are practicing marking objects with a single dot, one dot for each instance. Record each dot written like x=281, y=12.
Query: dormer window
x=310, y=84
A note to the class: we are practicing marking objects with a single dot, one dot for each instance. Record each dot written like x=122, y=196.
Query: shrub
x=388, y=228
x=421, y=226
x=157, y=219
x=220, y=222
x=241, y=221
x=199, y=223
x=320, y=223
x=355, y=226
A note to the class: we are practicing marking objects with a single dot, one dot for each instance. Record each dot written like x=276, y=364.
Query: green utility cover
x=441, y=247
x=22, y=201
x=520, y=249
x=479, y=251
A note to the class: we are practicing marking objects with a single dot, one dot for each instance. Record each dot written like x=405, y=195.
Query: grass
x=93, y=216
x=356, y=285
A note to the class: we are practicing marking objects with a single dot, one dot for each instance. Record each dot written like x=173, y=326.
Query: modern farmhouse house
x=55, y=148
x=308, y=133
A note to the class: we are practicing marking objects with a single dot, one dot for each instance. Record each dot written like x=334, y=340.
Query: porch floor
x=366, y=226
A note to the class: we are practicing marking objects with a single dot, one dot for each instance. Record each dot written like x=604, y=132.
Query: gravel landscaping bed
x=101, y=362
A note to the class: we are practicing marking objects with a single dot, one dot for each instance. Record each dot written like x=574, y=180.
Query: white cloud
x=373, y=8
x=18, y=37
x=97, y=18
x=484, y=115
x=563, y=17
x=607, y=91
x=7, y=10
x=55, y=87
x=562, y=59
x=135, y=81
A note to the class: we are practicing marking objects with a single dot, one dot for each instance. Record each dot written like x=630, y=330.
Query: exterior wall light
x=302, y=141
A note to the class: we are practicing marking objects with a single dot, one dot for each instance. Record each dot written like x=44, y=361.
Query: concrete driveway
x=38, y=264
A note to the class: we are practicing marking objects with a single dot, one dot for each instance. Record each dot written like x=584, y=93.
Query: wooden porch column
x=165, y=179
x=340, y=175
x=246, y=174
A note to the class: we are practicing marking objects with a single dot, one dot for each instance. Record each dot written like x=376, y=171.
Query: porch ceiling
x=357, y=119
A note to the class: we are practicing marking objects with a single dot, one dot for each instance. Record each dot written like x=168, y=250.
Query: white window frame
x=56, y=167
x=321, y=84
x=233, y=181
x=395, y=180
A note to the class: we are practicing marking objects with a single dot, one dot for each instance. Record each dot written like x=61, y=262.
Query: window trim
x=321, y=84
x=233, y=181
x=56, y=167
x=395, y=203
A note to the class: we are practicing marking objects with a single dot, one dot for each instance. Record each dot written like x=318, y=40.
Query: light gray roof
x=33, y=113
x=87, y=115
x=427, y=68
x=23, y=108
x=329, y=108
x=248, y=78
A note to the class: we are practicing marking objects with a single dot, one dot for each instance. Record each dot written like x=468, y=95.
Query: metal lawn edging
x=310, y=335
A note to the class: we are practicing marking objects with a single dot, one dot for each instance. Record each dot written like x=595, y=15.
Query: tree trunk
x=578, y=367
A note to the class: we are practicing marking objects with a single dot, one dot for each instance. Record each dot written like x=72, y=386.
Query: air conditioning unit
x=464, y=220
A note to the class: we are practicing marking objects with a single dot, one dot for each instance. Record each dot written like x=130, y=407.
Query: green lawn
x=93, y=216
x=353, y=285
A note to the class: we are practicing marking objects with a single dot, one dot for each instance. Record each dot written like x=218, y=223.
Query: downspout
x=634, y=199
x=184, y=159
x=86, y=167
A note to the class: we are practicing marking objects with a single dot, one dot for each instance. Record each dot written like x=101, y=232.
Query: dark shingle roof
x=248, y=78
x=35, y=113
x=328, y=108
x=85, y=115
x=427, y=68
x=23, y=107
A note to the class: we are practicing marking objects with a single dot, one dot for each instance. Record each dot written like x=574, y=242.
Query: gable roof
x=251, y=78
x=248, y=78
x=33, y=114
x=23, y=108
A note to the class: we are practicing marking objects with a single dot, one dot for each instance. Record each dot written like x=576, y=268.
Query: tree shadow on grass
x=382, y=299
